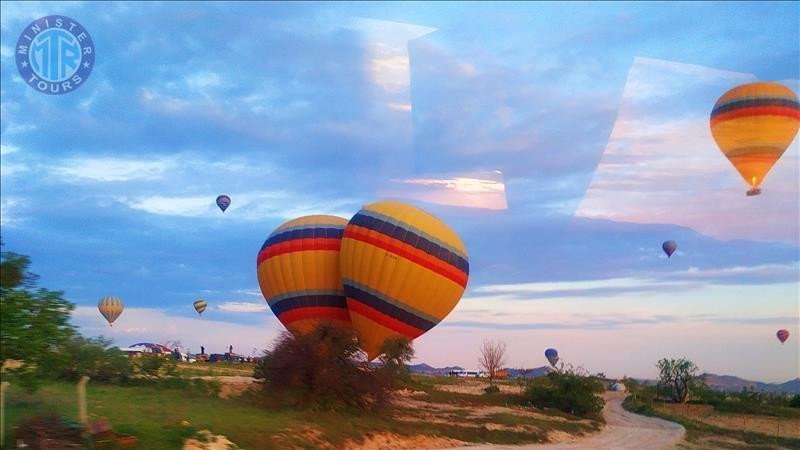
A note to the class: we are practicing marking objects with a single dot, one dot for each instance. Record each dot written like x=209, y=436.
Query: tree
x=492, y=358
x=677, y=375
x=396, y=353
x=321, y=369
x=34, y=323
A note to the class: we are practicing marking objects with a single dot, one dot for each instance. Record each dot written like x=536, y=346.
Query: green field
x=157, y=416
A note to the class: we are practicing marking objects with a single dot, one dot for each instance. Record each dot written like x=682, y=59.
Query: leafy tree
x=492, y=358
x=322, y=369
x=34, y=323
x=92, y=357
x=395, y=355
x=678, y=375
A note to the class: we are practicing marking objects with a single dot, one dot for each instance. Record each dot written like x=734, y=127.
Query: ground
x=436, y=413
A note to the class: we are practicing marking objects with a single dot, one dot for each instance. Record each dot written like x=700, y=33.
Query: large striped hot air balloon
x=298, y=272
x=403, y=270
x=200, y=306
x=753, y=124
x=110, y=308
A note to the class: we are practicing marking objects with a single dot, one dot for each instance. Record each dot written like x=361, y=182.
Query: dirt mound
x=206, y=440
x=390, y=441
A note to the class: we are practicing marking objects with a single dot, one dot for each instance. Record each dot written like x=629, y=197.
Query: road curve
x=623, y=431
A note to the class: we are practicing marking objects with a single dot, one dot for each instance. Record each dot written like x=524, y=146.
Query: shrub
x=93, y=357
x=154, y=367
x=322, y=369
x=795, y=401
x=491, y=389
x=568, y=391
x=396, y=353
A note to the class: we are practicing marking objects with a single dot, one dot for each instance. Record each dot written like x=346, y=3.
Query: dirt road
x=623, y=430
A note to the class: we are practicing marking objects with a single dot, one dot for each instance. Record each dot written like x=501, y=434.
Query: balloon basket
x=754, y=191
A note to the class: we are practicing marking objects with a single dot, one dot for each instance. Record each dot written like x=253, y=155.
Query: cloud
x=242, y=307
x=470, y=190
x=661, y=164
x=8, y=149
x=113, y=169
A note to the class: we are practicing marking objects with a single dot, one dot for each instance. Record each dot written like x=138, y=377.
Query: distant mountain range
x=727, y=383
x=730, y=383
x=424, y=369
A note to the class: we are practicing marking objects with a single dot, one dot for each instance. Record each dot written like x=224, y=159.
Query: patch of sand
x=232, y=386
x=391, y=441
x=476, y=387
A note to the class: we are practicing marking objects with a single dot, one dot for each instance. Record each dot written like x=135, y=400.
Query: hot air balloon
x=752, y=125
x=403, y=271
x=200, y=306
x=552, y=356
x=298, y=272
x=669, y=248
x=110, y=308
x=783, y=335
x=223, y=201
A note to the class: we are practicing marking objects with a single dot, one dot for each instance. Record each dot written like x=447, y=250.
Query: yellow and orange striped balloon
x=110, y=307
x=298, y=272
x=753, y=124
x=403, y=271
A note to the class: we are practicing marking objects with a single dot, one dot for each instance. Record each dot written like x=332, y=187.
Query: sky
x=562, y=141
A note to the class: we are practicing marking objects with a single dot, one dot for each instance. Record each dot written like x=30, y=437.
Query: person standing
x=202, y=350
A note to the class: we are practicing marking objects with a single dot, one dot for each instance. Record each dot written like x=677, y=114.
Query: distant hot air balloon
x=403, y=270
x=753, y=124
x=669, y=248
x=552, y=356
x=200, y=306
x=783, y=335
x=298, y=272
x=110, y=308
x=223, y=201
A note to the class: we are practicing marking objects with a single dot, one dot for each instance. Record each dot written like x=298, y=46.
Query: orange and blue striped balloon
x=753, y=124
x=110, y=307
x=403, y=271
x=298, y=272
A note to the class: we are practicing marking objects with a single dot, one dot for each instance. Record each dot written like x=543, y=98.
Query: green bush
x=92, y=357
x=795, y=401
x=492, y=389
x=567, y=391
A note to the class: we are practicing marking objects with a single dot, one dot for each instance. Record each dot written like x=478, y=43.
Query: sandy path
x=623, y=430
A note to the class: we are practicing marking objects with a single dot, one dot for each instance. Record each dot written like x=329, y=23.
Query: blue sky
x=563, y=141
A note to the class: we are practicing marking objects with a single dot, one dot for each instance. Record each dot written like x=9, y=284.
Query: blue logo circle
x=55, y=55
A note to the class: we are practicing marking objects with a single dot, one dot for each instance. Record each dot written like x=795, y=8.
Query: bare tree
x=492, y=358
x=678, y=375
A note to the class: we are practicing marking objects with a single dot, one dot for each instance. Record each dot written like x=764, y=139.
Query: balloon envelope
x=298, y=272
x=110, y=308
x=223, y=201
x=552, y=356
x=403, y=271
x=753, y=124
x=200, y=306
x=669, y=247
x=783, y=335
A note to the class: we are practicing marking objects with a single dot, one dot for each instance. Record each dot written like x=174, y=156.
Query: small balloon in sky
x=223, y=201
x=552, y=356
x=782, y=335
x=669, y=247
x=200, y=306
x=110, y=308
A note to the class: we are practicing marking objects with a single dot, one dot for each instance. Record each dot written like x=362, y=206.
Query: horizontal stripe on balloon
x=307, y=301
x=304, y=232
x=408, y=233
x=298, y=245
x=387, y=306
x=383, y=320
x=756, y=111
x=754, y=102
x=315, y=313
x=305, y=293
x=407, y=251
